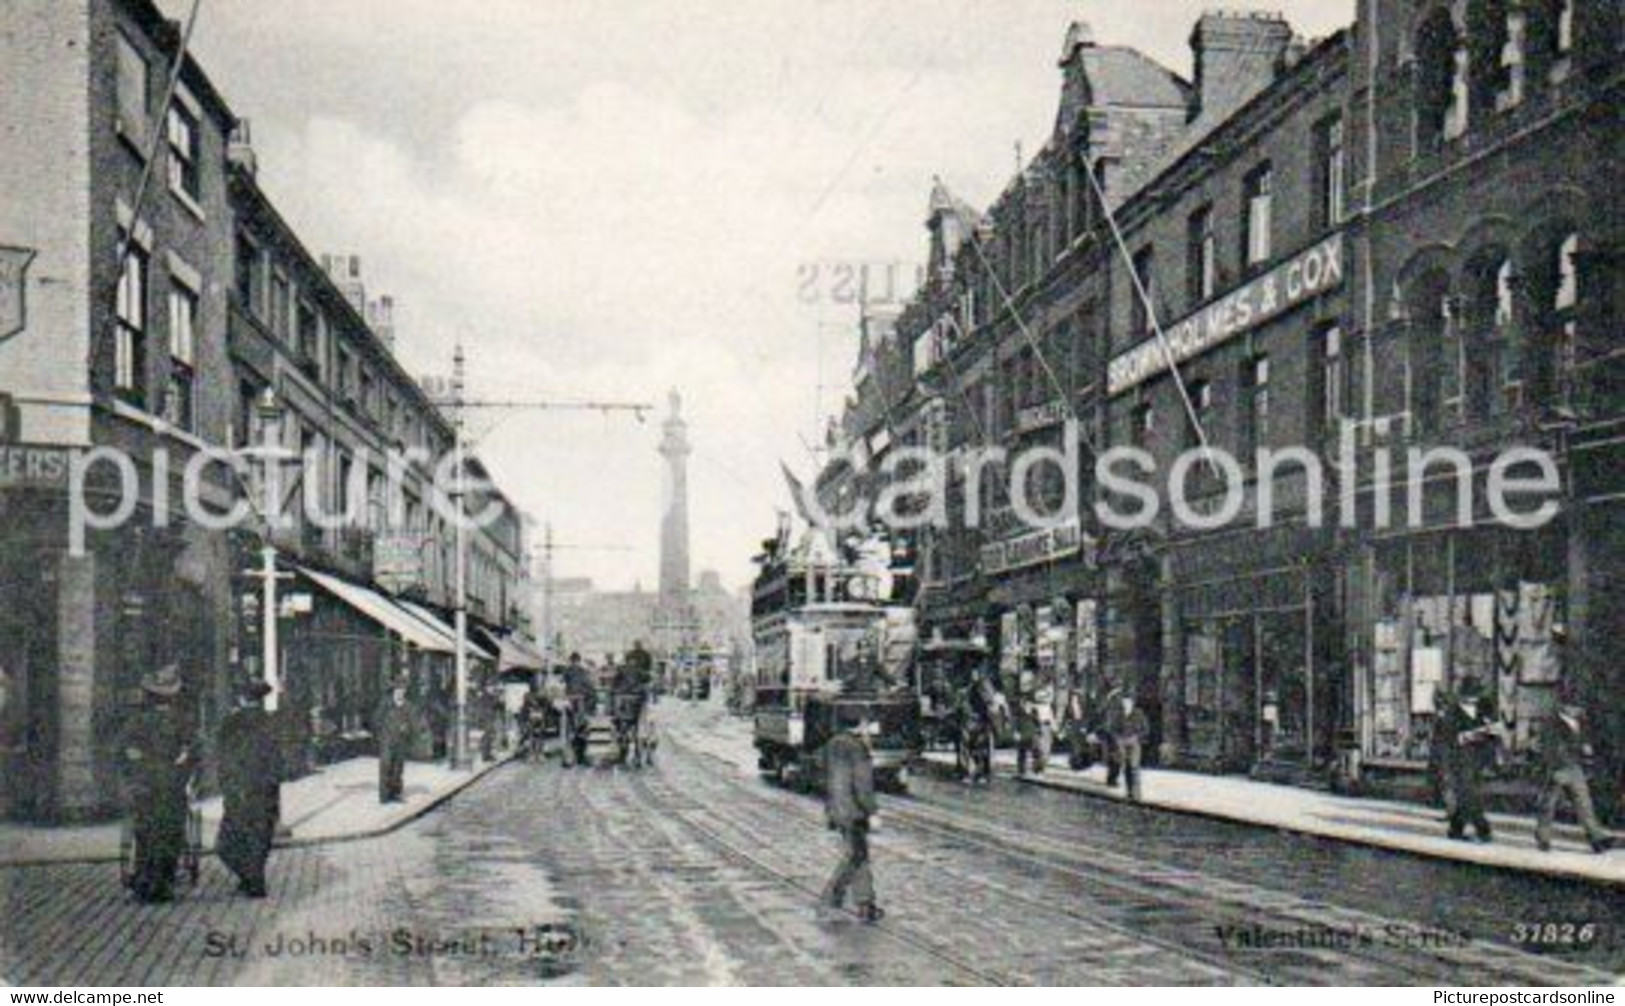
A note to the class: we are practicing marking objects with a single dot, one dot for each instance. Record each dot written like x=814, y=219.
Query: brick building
x=1390, y=238
x=161, y=358
x=126, y=356
x=1488, y=238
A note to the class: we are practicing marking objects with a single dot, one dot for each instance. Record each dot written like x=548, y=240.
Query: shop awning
x=385, y=612
x=434, y=622
x=518, y=655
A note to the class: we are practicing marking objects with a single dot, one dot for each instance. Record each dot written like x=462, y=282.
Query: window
x=1441, y=97
x=180, y=402
x=1201, y=396
x=130, y=339
x=1331, y=172
x=1204, y=256
x=1328, y=403
x=248, y=261
x=310, y=339
x=184, y=152
x=134, y=91
x=1260, y=203
x=1145, y=292
x=367, y=392
x=1143, y=424
x=1256, y=427
x=281, y=305
x=1495, y=30
x=342, y=379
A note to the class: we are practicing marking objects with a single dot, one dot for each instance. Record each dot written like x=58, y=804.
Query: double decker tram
x=828, y=636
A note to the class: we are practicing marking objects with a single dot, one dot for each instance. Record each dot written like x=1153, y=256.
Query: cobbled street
x=698, y=872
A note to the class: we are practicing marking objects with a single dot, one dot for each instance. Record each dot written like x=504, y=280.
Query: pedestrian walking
x=1129, y=730
x=1563, y=748
x=395, y=734
x=1466, y=738
x=849, y=805
x=1105, y=715
x=1036, y=729
x=250, y=783
x=158, y=752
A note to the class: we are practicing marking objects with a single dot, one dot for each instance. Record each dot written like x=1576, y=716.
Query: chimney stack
x=1238, y=54
x=381, y=319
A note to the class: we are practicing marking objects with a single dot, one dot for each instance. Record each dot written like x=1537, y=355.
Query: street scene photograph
x=531, y=493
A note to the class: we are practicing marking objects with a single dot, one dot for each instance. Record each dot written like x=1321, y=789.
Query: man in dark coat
x=583, y=700
x=1466, y=738
x=157, y=750
x=250, y=777
x=395, y=730
x=1563, y=749
x=849, y=804
x=1129, y=730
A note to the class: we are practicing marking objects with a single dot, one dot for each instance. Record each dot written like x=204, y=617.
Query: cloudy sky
x=605, y=200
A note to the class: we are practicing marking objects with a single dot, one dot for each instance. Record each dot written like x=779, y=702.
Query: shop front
x=1255, y=622
x=1459, y=604
x=78, y=633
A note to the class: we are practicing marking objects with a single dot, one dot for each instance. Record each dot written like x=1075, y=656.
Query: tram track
x=1224, y=967
x=657, y=793
x=1421, y=954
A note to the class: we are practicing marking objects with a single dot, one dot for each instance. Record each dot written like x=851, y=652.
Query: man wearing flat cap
x=157, y=751
x=250, y=781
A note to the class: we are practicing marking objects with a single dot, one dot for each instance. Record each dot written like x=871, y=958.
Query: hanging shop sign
x=1304, y=276
x=14, y=264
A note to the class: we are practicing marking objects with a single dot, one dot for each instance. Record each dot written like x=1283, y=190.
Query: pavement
x=336, y=802
x=1384, y=824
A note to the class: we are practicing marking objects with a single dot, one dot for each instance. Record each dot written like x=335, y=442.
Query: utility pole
x=459, y=405
x=549, y=546
x=547, y=596
x=460, y=608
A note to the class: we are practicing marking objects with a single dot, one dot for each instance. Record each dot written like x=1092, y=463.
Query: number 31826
x=1555, y=934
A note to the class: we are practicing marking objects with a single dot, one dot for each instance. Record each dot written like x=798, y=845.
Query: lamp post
x=269, y=456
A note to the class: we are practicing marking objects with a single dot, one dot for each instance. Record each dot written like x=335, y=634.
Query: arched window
x=1550, y=38
x=1555, y=301
x=1440, y=80
x=1495, y=32
x=1433, y=361
x=1485, y=358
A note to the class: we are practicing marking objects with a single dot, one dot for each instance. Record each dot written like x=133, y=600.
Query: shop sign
x=25, y=466
x=14, y=264
x=397, y=560
x=1305, y=275
x=1031, y=549
x=1038, y=417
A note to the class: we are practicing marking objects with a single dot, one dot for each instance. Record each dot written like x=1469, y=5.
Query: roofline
x=166, y=35
x=1333, y=46
x=247, y=183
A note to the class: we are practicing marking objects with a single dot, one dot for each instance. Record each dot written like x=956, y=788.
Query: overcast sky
x=607, y=199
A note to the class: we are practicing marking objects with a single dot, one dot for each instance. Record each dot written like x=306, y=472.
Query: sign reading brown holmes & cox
x=1305, y=275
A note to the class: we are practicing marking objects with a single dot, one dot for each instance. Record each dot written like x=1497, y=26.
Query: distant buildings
x=601, y=624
